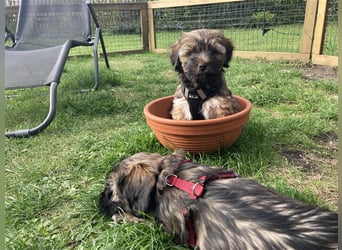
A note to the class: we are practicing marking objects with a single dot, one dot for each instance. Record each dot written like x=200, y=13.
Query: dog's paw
x=180, y=109
x=219, y=106
x=121, y=218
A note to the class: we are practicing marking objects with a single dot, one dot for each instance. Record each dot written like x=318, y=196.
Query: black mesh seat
x=46, y=31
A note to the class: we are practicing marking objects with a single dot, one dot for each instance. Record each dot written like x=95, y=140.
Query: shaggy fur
x=200, y=57
x=233, y=213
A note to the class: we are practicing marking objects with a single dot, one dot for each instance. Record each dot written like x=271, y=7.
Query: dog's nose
x=202, y=67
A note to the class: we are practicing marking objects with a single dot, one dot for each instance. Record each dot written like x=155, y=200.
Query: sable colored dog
x=212, y=208
x=200, y=57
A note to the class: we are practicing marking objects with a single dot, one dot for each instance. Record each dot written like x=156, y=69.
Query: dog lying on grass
x=199, y=57
x=212, y=208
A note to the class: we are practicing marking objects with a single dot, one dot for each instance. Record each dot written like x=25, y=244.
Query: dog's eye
x=213, y=50
x=194, y=50
x=218, y=48
x=185, y=51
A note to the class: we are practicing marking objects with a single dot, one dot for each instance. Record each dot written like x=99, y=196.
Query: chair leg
x=104, y=50
x=98, y=31
x=96, y=60
x=45, y=123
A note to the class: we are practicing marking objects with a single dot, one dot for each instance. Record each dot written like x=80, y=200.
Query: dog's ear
x=179, y=152
x=111, y=200
x=174, y=57
x=138, y=175
x=107, y=207
x=168, y=168
x=138, y=187
x=227, y=43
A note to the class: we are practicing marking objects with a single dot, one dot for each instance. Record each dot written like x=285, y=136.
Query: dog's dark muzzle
x=202, y=67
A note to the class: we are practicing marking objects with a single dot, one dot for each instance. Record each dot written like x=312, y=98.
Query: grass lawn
x=53, y=180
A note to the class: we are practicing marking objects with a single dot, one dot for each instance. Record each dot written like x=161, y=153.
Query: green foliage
x=260, y=18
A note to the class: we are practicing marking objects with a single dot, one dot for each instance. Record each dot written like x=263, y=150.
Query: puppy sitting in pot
x=200, y=57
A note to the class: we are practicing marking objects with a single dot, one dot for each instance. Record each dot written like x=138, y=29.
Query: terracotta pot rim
x=149, y=115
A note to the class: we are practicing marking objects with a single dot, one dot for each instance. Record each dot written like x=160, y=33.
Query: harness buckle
x=193, y=96
x=197, y=190
x=169, y=182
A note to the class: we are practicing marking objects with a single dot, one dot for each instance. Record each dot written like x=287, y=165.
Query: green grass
x=53, y=180
x=114, y=43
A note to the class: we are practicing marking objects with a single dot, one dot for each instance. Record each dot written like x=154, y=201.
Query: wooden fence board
x=319, y=27
x=271, y=56
x=152, y=33
x=325, y=60
x=144, y=28
x=180, y=3
x=309, y=25
x=119, y=6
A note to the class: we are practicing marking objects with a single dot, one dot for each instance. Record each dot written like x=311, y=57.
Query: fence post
x=320, y=27
x=151, y=29
x=309, y=28
x=144, y=28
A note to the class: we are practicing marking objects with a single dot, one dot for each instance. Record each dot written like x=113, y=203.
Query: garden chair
x=46, y=31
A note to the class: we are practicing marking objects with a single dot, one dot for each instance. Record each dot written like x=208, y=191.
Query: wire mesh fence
x=253, y=25
x=330, y=46
x=121, y=29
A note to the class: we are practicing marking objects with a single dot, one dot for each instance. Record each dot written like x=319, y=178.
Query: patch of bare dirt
x=315, y=169
x=320, y=72
x=299, y=158
x=324, y=154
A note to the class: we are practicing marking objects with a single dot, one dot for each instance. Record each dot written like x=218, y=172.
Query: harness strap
x=187, y=213
x=222, y=175
x=196, y=97
x=195, y=190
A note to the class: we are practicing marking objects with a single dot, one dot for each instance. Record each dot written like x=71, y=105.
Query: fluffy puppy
x=200, y=57
x=219, y=210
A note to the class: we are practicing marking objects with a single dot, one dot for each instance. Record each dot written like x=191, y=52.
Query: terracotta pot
x=196, y=135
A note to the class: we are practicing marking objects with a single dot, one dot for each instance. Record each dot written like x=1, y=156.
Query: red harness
x=195, y=190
